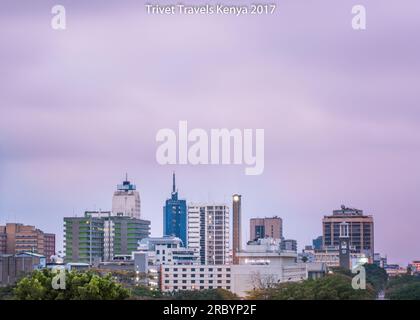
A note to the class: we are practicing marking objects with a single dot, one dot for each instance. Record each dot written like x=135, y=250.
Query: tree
x=405, y=287
x=410, y=291
x=79, y=286
x=376, y=276
x=6, y=293
x=331, y=287
x=207, y=294
x=145, y=292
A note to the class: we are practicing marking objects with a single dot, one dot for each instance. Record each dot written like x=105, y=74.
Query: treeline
x=406, y=287
x=91, y=285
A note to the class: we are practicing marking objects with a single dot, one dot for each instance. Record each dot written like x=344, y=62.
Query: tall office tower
x=236, y=239
x=266, y=228
x=361, y=235
x=84, y=239
x=126, y=200
x=16, y=238
x=175, y=216
x=344, y=253
x=208, y=232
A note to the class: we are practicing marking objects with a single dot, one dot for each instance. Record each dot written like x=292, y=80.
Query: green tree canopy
x=405, y=287
x=79, y=286
x=209, y=294
x=331, y=287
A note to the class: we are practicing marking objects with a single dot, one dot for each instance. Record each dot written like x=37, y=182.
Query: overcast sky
x=79, y=108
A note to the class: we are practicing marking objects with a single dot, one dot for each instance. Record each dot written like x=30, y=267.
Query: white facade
x=167, y=251
x=262, y=264
x=193, y=227
x=208, y=232
x=126, y=201
x=247, y=277
x=174, y=278
x=239, y=279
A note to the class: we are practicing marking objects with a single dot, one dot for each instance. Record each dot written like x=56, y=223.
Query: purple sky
x=340, y=109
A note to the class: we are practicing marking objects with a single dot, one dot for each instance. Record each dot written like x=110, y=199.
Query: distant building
x=208, y=232
x=16, y=237
x=416, y=265
x=121, y=233
x=83, y=239
x=236, y=222
x=167, y=250
x=316, y=270
x=266, y=228
x=317, y=243
x=379, y=260
x=331, y=257
x=361, y=231
x=175, y=216
x=261, y=263
x=195, y=277
x=109, y=236
x=15, y=266
x=265, y=262
x=289, y=245
x=126, y=200
x=394, y=270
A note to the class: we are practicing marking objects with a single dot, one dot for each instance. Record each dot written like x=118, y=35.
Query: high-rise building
x=208, y=232
x=16, y=238
x=120, y=236
x=121, y=233
x=126, y=200
x=266, y=228
x=175, y=216
x=361, y=232
x=236, y=238
x=83, y=239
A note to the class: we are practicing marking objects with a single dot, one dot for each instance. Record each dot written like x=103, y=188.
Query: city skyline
x=81, y=107
x=246, y=236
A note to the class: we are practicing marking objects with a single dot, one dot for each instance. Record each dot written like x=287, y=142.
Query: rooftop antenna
x=126, y=176
x=173, y=182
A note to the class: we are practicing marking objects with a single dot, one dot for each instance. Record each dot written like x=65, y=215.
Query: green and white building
x=99, y=236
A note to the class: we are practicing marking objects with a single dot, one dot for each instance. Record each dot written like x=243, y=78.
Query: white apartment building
x=199, y=277
x=126, y=200
x=208, y=232
x=263, y=263
x=167, y=250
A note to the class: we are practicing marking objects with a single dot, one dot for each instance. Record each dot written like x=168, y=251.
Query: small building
x=15, y=266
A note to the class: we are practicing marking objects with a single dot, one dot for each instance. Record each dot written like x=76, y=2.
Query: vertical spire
x=173, y=182
x=126, y=176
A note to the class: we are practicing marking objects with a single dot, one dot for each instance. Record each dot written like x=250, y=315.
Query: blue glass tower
x=175, y=216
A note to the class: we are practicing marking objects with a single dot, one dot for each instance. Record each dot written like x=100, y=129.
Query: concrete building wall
x=266, y=228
